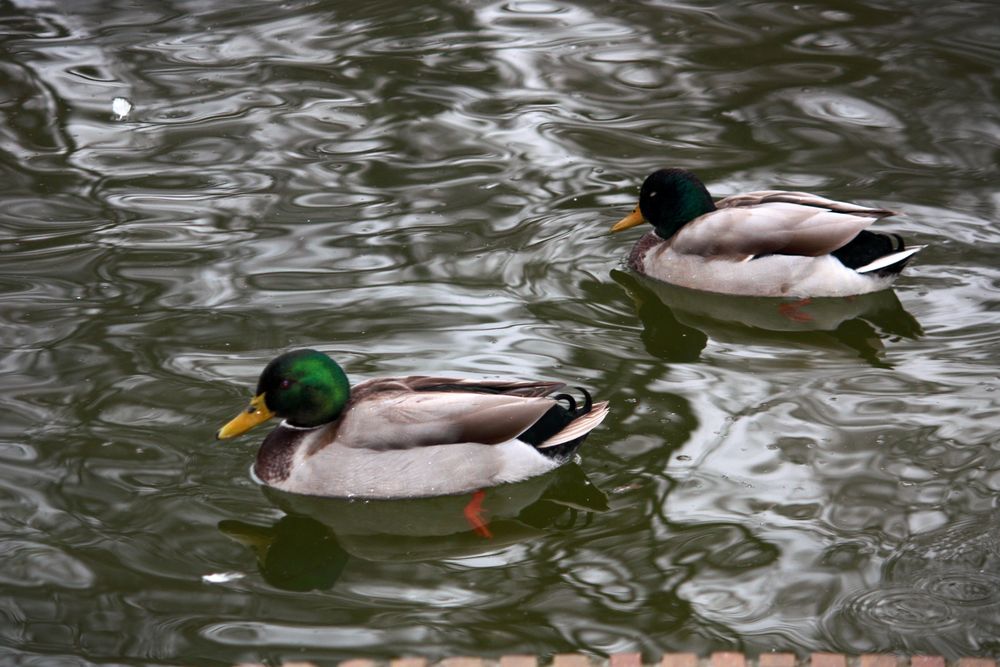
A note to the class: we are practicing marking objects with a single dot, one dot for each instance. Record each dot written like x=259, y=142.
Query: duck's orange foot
x=792, y=312
x=474, y=514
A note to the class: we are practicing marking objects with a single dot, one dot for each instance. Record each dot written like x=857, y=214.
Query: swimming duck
x=766, y=243
x=406, y=437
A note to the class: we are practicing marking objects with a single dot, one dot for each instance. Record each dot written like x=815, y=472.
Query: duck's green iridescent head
x=304, y=387
x=668, y=200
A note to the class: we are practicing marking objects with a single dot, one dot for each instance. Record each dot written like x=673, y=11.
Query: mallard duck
x=406, y=437
x=766, y=243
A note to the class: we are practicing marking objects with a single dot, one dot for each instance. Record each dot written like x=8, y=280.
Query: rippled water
x=426, y=188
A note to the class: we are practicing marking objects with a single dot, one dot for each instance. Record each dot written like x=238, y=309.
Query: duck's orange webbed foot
x=474, y=514
x=792, y=312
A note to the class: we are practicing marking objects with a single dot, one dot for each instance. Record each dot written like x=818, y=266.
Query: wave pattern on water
x=429, y=187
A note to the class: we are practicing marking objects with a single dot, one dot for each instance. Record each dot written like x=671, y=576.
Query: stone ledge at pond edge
x=719, y=659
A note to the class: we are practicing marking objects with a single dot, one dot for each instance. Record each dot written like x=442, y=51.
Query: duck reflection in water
x=678, y=322
x=309, y=547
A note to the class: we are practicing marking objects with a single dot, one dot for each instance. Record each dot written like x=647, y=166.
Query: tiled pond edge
x=720, y=659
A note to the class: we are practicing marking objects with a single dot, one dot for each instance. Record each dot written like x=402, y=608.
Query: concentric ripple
x=901, y=610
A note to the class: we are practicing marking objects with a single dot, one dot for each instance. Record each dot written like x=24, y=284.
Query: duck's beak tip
x=633, y=219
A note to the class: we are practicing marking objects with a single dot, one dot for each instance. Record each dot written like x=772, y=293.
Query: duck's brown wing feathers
x=423, y=383
x=802, y=198
x=773, y=222
x=408, y=412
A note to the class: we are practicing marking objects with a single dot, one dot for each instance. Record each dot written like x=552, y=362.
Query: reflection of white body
x=431, y=528
x=694, y=307
x=416, y=517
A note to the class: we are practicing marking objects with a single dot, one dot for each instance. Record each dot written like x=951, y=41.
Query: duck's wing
x=803, y=199
x=423, y=383
x=405, y=413
x=771, y=222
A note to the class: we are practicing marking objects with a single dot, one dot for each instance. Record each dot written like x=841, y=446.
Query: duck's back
x=768, y=222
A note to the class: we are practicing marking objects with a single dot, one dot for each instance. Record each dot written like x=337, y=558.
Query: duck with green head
x=405, y=437
x=764, y=243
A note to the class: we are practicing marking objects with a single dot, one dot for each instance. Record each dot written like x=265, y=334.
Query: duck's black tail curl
x=556, y=419
x=867, y=247
x=588, y=402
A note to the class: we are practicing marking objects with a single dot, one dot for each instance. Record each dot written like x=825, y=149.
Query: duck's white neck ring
x=285, y=424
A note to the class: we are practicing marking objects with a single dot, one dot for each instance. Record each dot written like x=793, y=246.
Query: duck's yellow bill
x=633, y=219
x=257, y=413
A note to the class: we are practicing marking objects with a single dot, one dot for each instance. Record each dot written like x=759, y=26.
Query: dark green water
x=421, y=187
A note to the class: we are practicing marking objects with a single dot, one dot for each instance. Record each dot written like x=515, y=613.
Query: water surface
x=428, y=188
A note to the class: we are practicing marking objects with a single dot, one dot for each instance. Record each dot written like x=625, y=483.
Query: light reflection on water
x=429, y=188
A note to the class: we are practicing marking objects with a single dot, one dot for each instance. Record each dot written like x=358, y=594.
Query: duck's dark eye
x=285, y=384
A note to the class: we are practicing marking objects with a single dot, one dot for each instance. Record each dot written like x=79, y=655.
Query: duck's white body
x=772, y=275
x=339, y=471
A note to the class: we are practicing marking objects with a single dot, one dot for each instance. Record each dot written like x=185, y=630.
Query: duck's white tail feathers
x=579, y=427
x=889, y=260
